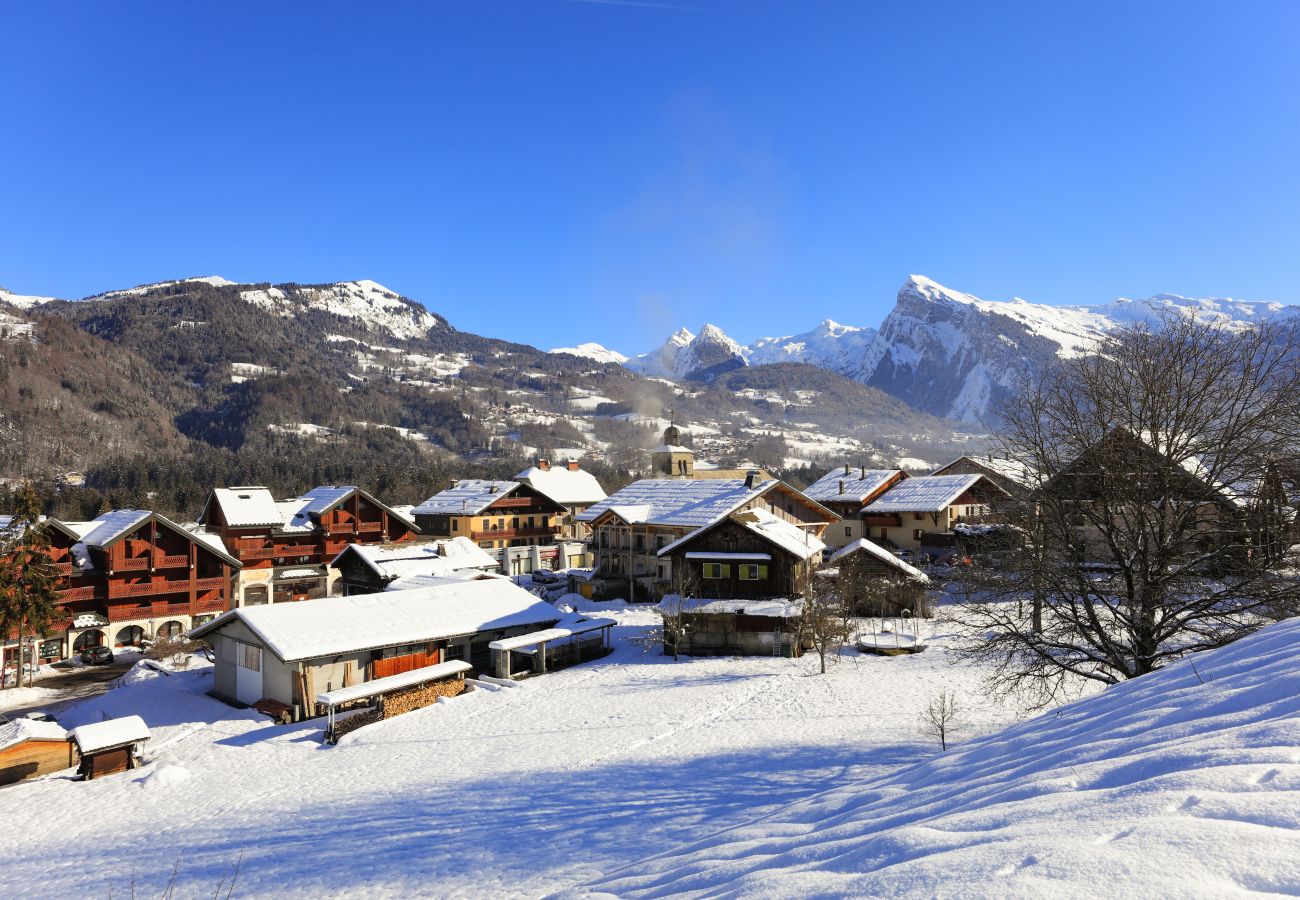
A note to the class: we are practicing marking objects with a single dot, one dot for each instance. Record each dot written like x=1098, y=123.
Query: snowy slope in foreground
x=1159, y=787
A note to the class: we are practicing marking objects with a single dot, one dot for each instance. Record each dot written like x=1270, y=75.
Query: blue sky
x=555, y=171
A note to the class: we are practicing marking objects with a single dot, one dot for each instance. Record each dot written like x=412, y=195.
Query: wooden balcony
x=370, y=527
x=81, y=593
x=503, y=534
x=133, y=564
x=181, y=560
x=215, y=604
x=512, y=503
x=888, y=520
x=118, y=590
x=63, y=568
x=255, y=553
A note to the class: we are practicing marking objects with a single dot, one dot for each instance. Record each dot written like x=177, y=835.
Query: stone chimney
x=751, y=479
x=571, y=465
x=543, y=464
x=841, y=485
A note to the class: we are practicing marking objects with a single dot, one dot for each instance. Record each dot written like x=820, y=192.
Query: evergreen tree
x=28, y=580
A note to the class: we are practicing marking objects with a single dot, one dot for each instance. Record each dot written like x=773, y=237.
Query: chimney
x=492, y=488
x=841, y=485
x=571, y=465
x=751, y=479
x=543, y=464
x=864, y=473
x=846, y=468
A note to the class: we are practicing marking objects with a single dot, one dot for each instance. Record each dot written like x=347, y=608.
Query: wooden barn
x=750, y=554
x=882, y=583
x=29, y=748
x=733, y=627
x=289, y=654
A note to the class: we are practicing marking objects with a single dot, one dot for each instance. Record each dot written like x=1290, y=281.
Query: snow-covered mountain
x=830, y=345
x=686, y=356
x=368, y=302
x=953, y=354
x=943, y=351
x=593, y=351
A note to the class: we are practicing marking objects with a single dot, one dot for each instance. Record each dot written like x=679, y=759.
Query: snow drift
x=1186, y=781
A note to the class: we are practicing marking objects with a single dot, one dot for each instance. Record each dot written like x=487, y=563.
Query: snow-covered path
x=517, y=791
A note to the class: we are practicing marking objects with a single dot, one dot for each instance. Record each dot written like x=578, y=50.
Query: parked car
x=97, y=656
x=38, y=715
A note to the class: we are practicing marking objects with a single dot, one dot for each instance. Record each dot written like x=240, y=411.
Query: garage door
x=248, y=673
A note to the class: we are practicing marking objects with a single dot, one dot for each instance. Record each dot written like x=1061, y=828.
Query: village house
x=286, y=546
x=746, y=555
x=290, y=654
x=844, y=492
x=369, y=568
x=631, y=526
x=1007, y=474
x=515, y=522
x=918, y=514
x=571, y=488
x=130, y=576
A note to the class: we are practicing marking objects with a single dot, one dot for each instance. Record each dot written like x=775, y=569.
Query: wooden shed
x=29, y=748
x=110, y=746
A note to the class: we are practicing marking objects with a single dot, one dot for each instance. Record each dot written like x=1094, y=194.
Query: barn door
x=248, y=673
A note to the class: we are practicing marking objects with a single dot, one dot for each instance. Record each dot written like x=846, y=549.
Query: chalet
x=845, y=492
x=631, y=526
x=886, y=584
x=918, y=514
x=747, y=555
x=289, y=652
x=1007, y=474
x=369, y=568
x=286, y=546
x=29, y=749
x=734, y=627
x=516, y=522
x=571, y=488
x=129, y=576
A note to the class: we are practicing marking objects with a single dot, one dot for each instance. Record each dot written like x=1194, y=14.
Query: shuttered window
x=717, y=570
x=753, y=572
x=250, y=657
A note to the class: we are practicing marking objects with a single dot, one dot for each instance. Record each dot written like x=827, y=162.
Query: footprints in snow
x=1116, y=836
x=1013, y=868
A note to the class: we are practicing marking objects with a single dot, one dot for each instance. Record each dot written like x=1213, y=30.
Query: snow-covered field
x=516, y=791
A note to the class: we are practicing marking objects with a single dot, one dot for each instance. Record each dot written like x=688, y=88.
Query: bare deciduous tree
x=1155, y=528
x=824, y=621
x=940, y=716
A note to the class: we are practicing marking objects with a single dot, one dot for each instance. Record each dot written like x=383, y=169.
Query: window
x=918, y=516
x=487, y=524
x=717, y=570
x=916, y=534
x=753, y=572
x=455, y=524
x=848, y=531
x=884, y=534
x=250, y=657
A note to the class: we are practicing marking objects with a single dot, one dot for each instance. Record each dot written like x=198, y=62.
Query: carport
x=570, y=647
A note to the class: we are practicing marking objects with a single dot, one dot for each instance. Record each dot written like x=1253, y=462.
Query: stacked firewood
x=414, y=698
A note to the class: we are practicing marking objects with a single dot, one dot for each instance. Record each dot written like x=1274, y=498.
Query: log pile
x=352, y=723
x=410, y=699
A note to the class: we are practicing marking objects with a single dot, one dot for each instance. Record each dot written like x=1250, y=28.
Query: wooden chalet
x=286, y=546
x=370, y=568
x=496, y=515
x=1007, y=474
x=110, y=746
x=632, y=526
x=883, y=584
x=734, y=627
x=845, y=492
x=131, y=575
x=749, y=554
x=568, y=486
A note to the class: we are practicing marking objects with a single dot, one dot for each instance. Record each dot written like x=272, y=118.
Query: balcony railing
x=132, y=564
x=162, y=586
x=501, y=534
x=63, y=568
x=512, y=502
x=171, y=562
x=81, y=593
x=889, y=520
x=370, y=527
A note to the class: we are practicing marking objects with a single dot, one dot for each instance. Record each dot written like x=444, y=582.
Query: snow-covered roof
x=394, y=682
x=723, y=554
x=672, y=448
x=858, y=485
x=862, y=545
x=924, y=493
x=463, y=553
x=469, y=496
x=244, y=507
x=334, y=625
x=786, y=535
x=1010, y=469
x=778, y=609
x=391, y=560
x=567, y=487
x=111, y=733
x=688, y=503
x=567, y=627
x=20, y=730
x=106, y=528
